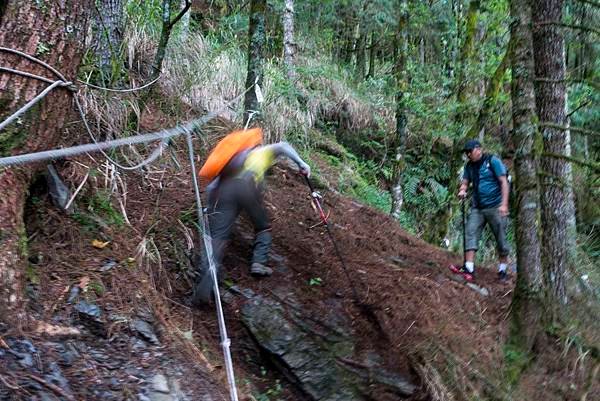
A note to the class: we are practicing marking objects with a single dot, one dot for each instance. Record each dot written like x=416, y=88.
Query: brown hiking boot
x=260, y=270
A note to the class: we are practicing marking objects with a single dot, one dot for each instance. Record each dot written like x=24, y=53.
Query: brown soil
x=427, y=324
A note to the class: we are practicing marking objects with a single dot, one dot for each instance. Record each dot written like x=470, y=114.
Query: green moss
x=515, y=360
x=31, y=275
x=11, y=138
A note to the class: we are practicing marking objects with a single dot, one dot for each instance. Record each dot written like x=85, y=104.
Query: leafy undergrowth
x=444, y=334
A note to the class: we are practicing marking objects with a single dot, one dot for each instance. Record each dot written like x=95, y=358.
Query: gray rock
x=145, y=330
x=160, y=384
x=317, y=354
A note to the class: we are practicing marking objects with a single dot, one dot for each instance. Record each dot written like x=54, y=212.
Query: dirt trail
x=423, y=314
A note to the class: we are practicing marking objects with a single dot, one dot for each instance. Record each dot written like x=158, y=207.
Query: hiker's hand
x=462, y=194
x=503, y=210
x=305, y=170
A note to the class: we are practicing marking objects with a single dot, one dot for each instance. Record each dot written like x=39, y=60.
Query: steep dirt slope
x=443, y=334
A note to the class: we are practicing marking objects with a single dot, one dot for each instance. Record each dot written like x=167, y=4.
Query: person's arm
x=503, y=209
x=462, y=191
x=285, y=149
x=500, y=171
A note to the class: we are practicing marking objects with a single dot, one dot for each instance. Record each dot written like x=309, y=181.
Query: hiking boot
x=260, y=270
x=469, y=276
x=502, y=275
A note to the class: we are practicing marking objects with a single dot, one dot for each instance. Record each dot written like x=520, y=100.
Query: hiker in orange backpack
x=236, y=169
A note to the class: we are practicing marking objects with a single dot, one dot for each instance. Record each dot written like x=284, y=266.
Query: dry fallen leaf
x=99, y=244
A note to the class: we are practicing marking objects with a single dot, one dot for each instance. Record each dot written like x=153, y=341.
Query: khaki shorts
x=476, y=221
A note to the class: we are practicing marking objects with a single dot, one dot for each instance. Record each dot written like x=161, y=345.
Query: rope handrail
x=119, y=90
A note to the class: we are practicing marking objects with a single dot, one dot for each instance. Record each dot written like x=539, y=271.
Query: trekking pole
x=315, y=195
x=464, y=231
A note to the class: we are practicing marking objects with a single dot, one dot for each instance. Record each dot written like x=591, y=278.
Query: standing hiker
x=489, y=204
x=239, y=187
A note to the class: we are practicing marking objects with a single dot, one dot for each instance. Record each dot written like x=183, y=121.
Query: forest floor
x=144, y=341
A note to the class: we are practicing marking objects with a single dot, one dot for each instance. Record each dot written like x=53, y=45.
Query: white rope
x=119, y=90
x=32, y=102
x=27, y=74
x=155, y=154
x=203, y=231
x=35, y=60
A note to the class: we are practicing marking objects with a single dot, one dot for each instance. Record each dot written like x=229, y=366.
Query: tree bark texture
x=108, y=31
x=256, y=55
x=53, y=32
x=528, y=297
x=401, y=119
x=289, y=46
x=558, y=209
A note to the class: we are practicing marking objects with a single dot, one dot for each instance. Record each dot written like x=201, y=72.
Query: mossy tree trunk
x=401, y=118
x=108, y=25
x=491, y=95
x=289, y=45
x=53, y=32
x=527, y=307
x=165, y=33
x=256, y=55
x=558, y=209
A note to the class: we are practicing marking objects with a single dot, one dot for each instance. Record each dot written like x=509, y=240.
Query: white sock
x=470, y=266
x=502, y=267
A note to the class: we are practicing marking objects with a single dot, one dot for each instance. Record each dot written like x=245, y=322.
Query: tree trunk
x=491, y=94
x=256, y=55
x=401, y=120
x=55, y=33
x=467, y=52
x=372, y=55
x=165, y=34
x=527, y=307
x=359, y=73
x=108, y=31
x=558, y=209
x=289, y=46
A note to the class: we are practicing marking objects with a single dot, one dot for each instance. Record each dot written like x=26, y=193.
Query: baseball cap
x=471, y=144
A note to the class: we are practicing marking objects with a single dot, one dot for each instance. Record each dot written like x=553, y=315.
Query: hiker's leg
x=254, y=206
x=475, y=223
x=222, y=212
x=498, y=225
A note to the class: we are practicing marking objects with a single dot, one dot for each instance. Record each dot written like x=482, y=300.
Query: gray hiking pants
x=476, y=221
x=233, y=196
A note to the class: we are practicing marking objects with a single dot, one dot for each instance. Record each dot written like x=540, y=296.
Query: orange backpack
x=232, y=144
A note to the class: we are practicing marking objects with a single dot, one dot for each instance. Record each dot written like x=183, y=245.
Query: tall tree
x=108, y=31
x=558, y=209
x=54, y=32
x=256, y=55
x=289, y=45
x=165, y=33
x=528, y=297
x=401, y=119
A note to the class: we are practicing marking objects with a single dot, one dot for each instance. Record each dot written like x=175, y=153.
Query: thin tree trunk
x=256, y=55
x=289, y=46
x=60, y=27
x=360, y=54
x=372, y=55
x=165, y=34
x=527, y=307
x=467, y=52
x=401, y=120
x=558, y=209
x=491, y=95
